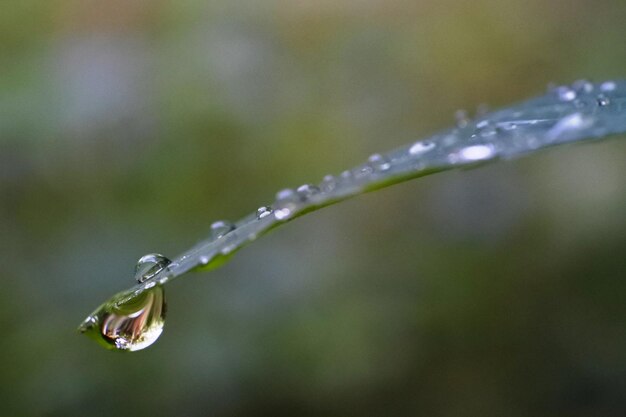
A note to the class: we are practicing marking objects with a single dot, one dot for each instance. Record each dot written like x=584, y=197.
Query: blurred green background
x=127, y=127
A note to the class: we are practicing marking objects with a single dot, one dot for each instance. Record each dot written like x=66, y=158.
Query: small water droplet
x=328, y=183
x=347, y=174
x=220, y=228
x=204, y=259
x=583, y=86
x=608, y=86
x=150, y=265
x=566, y=94
x=473, y=153
x=379, y=162
x=603, y=100
x=286, y=194
x=461, y=118
x=421, y=147
x=130, y=321
x=484, y=128
x=284, y=212
x=307, y=190
x=263, y=212
x=363, y=171
x=482, y=109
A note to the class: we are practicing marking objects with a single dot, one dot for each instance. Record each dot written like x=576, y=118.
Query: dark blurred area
x=127, y=127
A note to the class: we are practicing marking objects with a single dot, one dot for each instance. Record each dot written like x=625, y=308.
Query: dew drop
x=566, y=94
x=283, y=213
x=263, y=212
x=328, y=183
x=286, y=194
x=461, y=118
x=220, y=228
x=583, y=86
x=379, y=162
x=421, y=147
x=150, y=265
x=307, y=190
x=608, y=86
x=603, y=100
x=130, y=321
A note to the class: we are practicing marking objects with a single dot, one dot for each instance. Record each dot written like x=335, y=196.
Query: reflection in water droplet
x=421, y=147
x=128, y=321
x=263, y=212
x=150, y=265
x=220, y=228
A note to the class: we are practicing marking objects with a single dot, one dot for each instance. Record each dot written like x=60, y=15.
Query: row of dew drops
x=289, y=201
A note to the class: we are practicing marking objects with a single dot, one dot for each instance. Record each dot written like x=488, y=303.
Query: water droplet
x=603, y=100
x=286, y=194
x=565, y=93
x=150, y=265
x=263, y=212
x=461, y=118
x=473, y=153
x=421, y=147
x=347, y=174
x=608, y=86
x=220, y=228
x=363, y=171
x=484, y=128
x=379, y=162
x=130, y=321
x=307, y=190
x=482, y=109
x=328, y=184
x=583, y=86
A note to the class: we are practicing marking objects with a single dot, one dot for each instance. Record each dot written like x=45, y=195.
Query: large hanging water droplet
x=129, y=321
x=150, y=265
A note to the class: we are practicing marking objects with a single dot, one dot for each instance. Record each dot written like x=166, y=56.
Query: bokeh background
x=127, y=127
